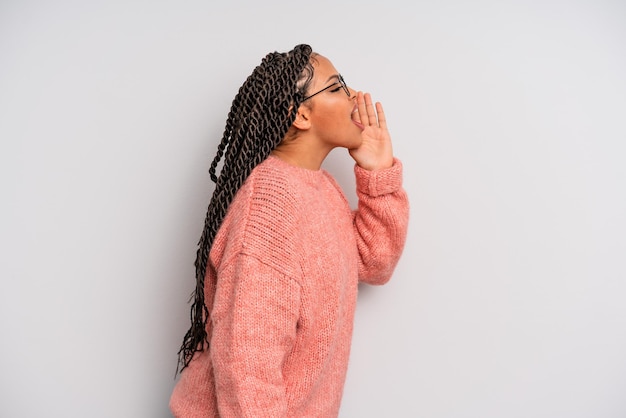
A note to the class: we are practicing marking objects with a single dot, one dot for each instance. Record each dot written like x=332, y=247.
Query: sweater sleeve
x=380, y=221
x=254, y=326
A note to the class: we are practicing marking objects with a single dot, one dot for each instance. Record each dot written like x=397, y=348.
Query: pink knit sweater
x=281, y=290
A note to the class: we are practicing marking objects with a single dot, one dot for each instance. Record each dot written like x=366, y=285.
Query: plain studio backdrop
x=509, y=300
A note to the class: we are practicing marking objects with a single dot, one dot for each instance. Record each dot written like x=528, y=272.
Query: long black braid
x=260, y=116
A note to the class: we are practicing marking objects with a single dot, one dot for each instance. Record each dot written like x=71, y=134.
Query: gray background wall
x=508, y=115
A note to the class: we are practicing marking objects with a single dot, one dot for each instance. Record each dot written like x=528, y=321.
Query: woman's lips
x=356, y=118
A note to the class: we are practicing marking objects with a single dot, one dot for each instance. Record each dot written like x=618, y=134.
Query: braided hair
x=260, y=116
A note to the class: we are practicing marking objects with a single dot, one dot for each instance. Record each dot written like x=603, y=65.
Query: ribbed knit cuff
x=379, y=182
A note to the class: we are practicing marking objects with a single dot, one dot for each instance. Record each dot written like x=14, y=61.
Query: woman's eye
x=335, y=90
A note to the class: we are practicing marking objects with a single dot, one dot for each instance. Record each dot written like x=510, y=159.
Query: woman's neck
x=301, y=153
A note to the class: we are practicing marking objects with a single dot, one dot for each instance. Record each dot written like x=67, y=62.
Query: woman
x=281, y=253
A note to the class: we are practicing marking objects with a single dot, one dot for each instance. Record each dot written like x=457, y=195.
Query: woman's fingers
x=371, y=111
x=360, y=102
x=370, y=114
x=382, y=122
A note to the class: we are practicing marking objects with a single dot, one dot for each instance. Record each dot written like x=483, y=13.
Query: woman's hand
x=375, y=151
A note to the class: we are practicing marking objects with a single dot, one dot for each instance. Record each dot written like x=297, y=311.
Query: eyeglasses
x=340, y=81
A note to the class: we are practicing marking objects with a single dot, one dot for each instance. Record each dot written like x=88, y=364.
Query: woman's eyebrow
x=335, y=76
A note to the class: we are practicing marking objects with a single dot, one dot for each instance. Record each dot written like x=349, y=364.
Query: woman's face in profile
x=332, y=112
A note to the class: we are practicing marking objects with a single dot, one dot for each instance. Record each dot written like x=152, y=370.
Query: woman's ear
x=303, y=121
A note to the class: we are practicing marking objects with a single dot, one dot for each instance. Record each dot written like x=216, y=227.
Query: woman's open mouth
x=356, y=119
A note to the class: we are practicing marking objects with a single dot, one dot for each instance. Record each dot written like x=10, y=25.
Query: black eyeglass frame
x=340, y=81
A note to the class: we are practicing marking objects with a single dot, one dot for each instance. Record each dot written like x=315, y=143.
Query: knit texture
x=281, y=291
